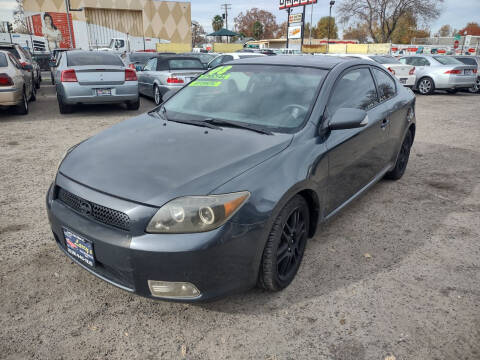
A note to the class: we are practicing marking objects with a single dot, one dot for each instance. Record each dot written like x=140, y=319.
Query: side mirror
x=168, y=95
x=347, y=118
x=138, y=67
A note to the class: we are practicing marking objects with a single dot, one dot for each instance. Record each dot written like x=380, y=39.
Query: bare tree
x=382, y=16
x=19, y=21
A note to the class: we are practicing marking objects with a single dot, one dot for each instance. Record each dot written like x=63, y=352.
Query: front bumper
x=217, y=262
x=74, y=93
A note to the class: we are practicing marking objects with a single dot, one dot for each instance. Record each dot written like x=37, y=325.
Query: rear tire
x=157, y=96
x=37, y=84
x=402, y=158
x=22, y=108
x=133, y=105
x=425, y=86
x=64, y=108
x=285, y=246
x=53, y=79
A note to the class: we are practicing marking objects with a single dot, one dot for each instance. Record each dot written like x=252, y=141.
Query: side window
x=385, y=84
x=354, y=89
x=151, y=64
x=215, y=62
x=227, y=58
x=14, y=61
x=424, y=62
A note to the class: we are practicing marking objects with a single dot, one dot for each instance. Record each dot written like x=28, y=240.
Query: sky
x=456, y=13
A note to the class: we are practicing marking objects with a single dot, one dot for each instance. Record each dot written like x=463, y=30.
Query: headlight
x=193, y=214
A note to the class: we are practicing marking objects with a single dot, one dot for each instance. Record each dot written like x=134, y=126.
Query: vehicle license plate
x=78, y=247
x=403, y=80
x=468, y=72
x=104, y=92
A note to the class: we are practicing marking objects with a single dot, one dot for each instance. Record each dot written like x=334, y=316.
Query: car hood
x=149, y=161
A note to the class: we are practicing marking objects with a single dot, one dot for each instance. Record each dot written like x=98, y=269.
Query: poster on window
x=53, y=26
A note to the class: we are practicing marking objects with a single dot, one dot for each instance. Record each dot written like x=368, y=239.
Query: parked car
x=94, y=77
x=205, y=58
x=16, y=86
x=439, y=72
x=223, y=58
x=138, y=59
x=218, y=189
x=24, y=58
x=167, y=73
x=474, y=61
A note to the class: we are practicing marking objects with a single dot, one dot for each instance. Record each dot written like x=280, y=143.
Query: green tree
x=217, y=23
x=322, y=28
x=257, y=30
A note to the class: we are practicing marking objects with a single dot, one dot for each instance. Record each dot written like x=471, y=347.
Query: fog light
x=173, y=290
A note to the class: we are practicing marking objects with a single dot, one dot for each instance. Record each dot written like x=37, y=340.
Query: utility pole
x=329, y=24
x=225, y=8
x=311, y=23
x=288, y=24
x=303, y=28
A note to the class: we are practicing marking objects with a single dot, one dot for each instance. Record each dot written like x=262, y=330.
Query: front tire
x=285, y=246
x=426, y=86
x=402, y=159
x=475, y=88
x=33, y=95
x=157, y=96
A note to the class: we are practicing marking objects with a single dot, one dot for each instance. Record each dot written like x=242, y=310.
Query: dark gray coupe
x=219, y=188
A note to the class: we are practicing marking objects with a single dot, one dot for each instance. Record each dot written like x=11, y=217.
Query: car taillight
x=412, y=71
x=68, y=76
x=130, y=75
x=391, y=70
x=174, y=80
x=5, y=80
x=475, y=71
x=453, y=72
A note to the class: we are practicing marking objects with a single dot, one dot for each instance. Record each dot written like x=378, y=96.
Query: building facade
x=144, y=22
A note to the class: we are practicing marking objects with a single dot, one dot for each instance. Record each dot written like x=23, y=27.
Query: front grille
x=89, y=209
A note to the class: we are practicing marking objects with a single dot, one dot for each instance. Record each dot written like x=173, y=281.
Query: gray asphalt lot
x=397, y=273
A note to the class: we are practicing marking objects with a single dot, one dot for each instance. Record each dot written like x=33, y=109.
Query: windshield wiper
x=238, y=125
x=161, y=112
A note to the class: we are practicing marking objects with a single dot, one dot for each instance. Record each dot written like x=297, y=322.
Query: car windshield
x=468, y=61
x=444, y=60
x=385, y=59
x=141, y=58
x=12, y=50
x=79, y=58
x=3, y=60
x=277, y=98
x=178, y=64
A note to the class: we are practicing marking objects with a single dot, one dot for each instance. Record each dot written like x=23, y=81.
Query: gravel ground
x=397, y=273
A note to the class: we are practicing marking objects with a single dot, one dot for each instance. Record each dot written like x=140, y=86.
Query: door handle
x=384, y=123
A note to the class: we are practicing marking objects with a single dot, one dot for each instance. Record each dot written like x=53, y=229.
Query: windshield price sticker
x=214, y=78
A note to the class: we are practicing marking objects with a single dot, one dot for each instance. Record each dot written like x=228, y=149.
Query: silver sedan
x=440, y=72
x=167, y=73
x=94, y=77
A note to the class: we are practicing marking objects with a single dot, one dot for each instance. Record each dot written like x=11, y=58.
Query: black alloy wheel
x=402, y=159
x=285, y=246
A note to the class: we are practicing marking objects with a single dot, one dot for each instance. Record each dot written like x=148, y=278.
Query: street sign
x=458, y=37
x=295, y=18
x=295, y=32
x=285, y=4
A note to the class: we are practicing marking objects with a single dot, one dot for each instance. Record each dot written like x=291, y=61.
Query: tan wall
x=169, y=20
x=174, y=47
x=226, y=48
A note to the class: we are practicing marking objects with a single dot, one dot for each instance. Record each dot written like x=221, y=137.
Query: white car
x=226, y=57
x=404, y=73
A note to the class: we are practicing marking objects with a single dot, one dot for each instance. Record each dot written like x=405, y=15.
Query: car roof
x=323, y=62
x=9, y=45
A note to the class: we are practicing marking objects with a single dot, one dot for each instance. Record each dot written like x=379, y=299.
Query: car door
x=145, y=80
x=391, y=109
x=356, y=156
